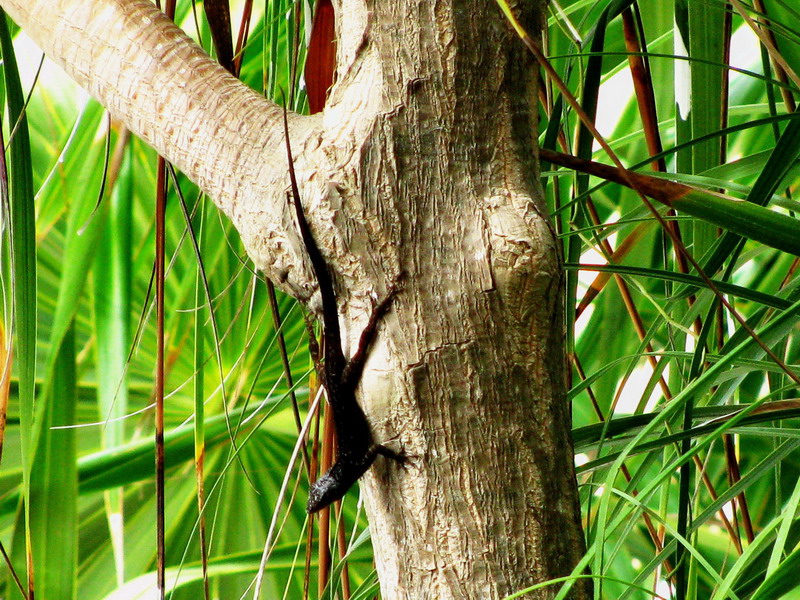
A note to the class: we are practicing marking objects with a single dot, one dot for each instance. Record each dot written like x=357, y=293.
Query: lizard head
x=324, y=491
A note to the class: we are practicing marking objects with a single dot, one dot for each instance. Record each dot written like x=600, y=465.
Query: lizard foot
x=401, y=457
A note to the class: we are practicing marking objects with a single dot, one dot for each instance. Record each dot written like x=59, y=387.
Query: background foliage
x=684, y=426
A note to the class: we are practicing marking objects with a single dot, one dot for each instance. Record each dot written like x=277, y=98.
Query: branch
x=168, y=91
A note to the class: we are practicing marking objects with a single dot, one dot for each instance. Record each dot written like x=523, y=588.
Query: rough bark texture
x=422, y=167
x=473, y=383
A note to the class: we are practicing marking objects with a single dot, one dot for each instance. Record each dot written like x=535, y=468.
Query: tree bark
x=422, y=169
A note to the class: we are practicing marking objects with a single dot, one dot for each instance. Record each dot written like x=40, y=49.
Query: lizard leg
x=400, y=457
x=355, y=366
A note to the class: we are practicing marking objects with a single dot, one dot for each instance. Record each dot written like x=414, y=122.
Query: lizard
x=355, y=448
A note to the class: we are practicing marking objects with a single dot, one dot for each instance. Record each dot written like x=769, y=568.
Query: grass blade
x=23, y=250
x=738, y=216
x=54, y=483
x=112, y=303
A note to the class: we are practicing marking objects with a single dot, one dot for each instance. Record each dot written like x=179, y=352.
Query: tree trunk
x=422, y=169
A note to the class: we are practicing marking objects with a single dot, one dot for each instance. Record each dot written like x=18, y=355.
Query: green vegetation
x=684, y=385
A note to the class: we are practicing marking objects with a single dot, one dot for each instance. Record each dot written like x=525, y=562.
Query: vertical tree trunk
x=423, y=167
x=472, y=379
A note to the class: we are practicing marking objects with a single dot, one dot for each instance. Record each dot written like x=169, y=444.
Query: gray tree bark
x=423, y=167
